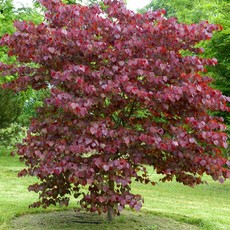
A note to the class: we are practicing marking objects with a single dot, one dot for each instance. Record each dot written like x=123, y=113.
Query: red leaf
x=121, y=63
x=51, y=49
x=106, y=167
x=74, y=105
x=138, y=206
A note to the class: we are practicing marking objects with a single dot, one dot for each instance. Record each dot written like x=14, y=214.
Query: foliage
x=6, y=21
x=12, y=105
x=219, y=47
x=32, y=100
x=215, y=12
x=12, y=134
x=159, y=4
x=192, y=11
x=7, y=16
x=122, y=97
x=83, y=2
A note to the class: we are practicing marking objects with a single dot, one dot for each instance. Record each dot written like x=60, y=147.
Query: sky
x=137, y=4
x=131, y=4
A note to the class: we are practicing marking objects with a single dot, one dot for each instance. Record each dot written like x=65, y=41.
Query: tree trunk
x=110, y=212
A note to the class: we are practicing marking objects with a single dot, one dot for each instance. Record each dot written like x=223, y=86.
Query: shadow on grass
x=64, y=220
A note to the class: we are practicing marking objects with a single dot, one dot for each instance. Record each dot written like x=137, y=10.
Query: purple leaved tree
x=124, y=96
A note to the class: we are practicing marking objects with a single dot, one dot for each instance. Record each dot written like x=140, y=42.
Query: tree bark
x=110, y=212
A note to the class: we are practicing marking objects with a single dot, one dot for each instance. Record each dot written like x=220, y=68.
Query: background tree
x=159, y=4
x=11, y=104
x=123, y=97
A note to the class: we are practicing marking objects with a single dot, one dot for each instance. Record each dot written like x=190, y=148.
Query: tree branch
x=132, y=109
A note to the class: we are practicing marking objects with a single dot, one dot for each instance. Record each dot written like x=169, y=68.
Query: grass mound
x=71, y=220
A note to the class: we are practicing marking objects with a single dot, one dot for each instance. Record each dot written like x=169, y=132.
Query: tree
x=10, y=104
x=159, y=4
x=122, y=97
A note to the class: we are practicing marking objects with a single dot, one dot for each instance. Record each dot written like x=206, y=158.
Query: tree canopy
x=215, y=12
x=123, y=97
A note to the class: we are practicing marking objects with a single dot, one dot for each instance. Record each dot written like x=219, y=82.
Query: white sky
x=20, y=3
x=131, y=4
x=137, y=4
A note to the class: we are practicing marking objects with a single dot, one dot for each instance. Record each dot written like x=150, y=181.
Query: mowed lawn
x=206, y=206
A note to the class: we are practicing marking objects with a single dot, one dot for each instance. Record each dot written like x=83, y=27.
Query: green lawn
x=207, y=206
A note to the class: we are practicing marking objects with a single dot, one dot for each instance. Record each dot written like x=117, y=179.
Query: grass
x=205, y=206
x=70, y=220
